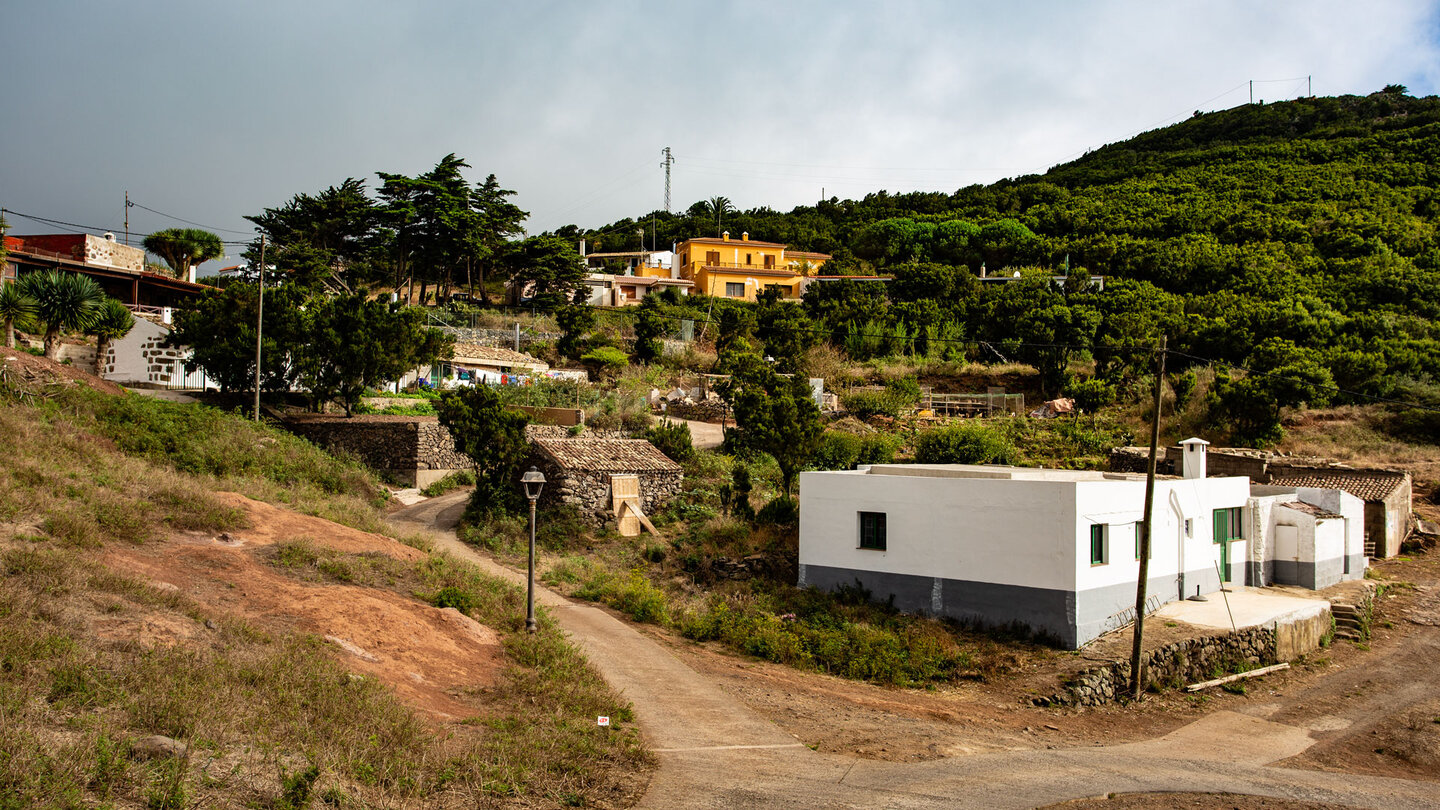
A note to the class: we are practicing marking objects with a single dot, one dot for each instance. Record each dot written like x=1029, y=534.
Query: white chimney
x=1193, y=463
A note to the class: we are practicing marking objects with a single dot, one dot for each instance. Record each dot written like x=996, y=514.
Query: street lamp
x=534, y=481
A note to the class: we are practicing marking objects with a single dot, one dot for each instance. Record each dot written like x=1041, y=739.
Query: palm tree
x=64, y=302
x=16, y=309
x=114, y=322
x=183, y=248
x=720, y=206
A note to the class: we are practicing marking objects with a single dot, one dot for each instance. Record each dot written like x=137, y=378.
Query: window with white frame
x=734, y=289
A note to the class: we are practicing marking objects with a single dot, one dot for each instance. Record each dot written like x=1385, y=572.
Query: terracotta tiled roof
x=495, y=354
x=1369, y=485
x=607, y=455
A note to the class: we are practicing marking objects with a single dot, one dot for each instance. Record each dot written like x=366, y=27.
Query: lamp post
x=534, y=481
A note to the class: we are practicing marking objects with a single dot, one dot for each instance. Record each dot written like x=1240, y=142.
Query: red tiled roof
x=607, y=455
x=1368, y=485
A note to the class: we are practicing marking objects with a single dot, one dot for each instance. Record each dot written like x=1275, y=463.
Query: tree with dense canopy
x=493, y=437
x=184, y=248
x=352, y=344
x=774, y=414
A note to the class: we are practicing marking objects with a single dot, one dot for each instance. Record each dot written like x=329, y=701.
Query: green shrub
x=454, y=597
x=878, y=449
x=455, y=480
x=838, y=451
x=964, y=443
x=633, y=595
x=672, y=439
x=865, y=404
x=782, y=511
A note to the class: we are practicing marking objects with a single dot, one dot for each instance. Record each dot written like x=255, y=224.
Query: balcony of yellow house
x=741, y=268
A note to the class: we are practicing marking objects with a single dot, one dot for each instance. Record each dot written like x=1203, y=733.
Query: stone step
x=1348, y=635
x=1340, y=607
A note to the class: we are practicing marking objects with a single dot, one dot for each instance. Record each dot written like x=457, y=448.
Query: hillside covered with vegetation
x=1296, y=239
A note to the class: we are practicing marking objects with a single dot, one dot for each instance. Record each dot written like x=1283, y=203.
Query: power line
x=77, y=228
x=186, y=221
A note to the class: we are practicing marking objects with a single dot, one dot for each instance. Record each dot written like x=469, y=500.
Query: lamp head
x=534, y=481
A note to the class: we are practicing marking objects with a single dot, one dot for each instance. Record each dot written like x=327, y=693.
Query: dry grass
x=268, y=716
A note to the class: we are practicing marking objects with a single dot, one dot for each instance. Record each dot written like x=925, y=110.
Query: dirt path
x=716, y=752
x=704, y=435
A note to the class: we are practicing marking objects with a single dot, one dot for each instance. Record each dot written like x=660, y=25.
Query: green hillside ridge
x=1296, y=238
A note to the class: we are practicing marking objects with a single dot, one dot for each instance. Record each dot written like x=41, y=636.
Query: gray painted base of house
x=1314, y=576
x=1070, y=619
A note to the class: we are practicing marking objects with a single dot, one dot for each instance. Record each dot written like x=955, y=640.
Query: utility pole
x=669, y=159
x=1137, y=681
x=127, y=217
x=259, y=325
x=1252, y=91
x=1309, y=89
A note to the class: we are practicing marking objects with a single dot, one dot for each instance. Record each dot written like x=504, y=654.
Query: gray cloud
x=210, y=111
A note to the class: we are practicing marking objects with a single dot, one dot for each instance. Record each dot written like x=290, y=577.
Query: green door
x=1222, y=537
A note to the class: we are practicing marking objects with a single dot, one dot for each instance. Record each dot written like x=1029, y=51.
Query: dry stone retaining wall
x=1173, y=665
x=416, y=451
x=499, y=338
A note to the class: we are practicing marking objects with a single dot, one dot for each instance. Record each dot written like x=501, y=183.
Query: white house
x=1054, y=551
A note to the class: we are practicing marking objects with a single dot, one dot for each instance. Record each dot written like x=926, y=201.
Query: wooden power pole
x=259, y=325
x=1137, y=680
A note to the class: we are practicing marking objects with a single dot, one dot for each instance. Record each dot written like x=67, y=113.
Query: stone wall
x=705, y=410
x=1172, y=666
x=501, y=338
x=533, y=431
x=413, y=450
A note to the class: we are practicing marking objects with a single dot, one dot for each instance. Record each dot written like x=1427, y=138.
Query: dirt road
x=716, y=752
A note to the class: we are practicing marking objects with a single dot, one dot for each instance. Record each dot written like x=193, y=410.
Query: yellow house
x=740, y=268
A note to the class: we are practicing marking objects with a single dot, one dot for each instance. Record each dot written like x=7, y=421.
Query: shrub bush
x=838, y=451
x=782, y=511
x=878, y=449
x=964, y=443
x=672, y=439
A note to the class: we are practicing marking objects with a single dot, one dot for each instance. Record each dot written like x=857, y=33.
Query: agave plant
x=114, y=322
x=64, y=302
x=16, y=310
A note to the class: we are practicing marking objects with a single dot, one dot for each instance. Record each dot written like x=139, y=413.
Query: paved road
x=714, y=752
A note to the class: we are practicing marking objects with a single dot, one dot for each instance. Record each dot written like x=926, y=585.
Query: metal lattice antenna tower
x=669, y=159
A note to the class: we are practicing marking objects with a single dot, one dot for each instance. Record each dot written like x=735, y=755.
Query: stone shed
x=1386, y=494
x=578, y=471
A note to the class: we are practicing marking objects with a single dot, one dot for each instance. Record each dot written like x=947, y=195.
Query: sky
x=207, y=111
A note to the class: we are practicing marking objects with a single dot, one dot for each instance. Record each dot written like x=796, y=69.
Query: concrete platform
x=1249, y=607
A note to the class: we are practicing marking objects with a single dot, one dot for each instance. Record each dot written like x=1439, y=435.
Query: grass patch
x=251, y=705
x=455, y=480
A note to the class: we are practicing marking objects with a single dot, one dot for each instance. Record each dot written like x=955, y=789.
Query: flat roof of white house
x=997, y=471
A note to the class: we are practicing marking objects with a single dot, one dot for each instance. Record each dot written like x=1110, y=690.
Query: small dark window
x=1097, y=544
x=872, y=530
x=1140, y=538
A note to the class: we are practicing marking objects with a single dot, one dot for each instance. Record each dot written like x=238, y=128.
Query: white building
x=1054, y=551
